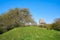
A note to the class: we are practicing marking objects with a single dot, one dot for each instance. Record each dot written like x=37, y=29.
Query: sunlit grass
x=30, y=33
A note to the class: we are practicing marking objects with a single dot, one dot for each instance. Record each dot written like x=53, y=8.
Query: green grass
x=30, y=33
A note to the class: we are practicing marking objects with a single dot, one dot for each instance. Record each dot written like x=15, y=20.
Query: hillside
x=30, y=33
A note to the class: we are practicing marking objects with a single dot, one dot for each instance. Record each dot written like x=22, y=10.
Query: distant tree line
x=55, y=25
x=15, y=18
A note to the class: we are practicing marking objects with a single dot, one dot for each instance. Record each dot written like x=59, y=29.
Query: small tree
x=56, y=24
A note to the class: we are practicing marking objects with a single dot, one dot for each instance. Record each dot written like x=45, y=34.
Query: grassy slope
x=30, y=33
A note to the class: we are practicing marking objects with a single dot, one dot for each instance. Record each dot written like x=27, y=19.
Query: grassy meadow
x=30, y=33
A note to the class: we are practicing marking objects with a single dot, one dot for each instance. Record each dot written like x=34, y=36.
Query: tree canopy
x=15, y=18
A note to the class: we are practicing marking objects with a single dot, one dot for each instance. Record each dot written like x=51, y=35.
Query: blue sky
x=45, y=9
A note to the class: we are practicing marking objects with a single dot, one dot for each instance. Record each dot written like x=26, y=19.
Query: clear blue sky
x=46, y=9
